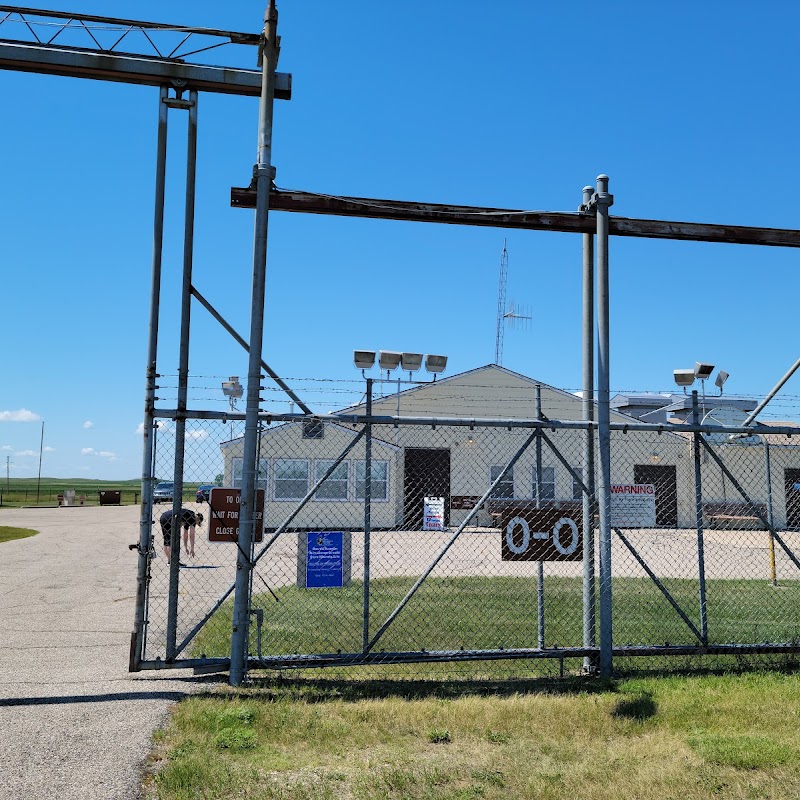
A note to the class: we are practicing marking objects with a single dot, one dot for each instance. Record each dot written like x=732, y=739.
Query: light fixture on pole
x=233, y=390
x=364, y=359
x=435, y=364
x=410, y=362
x=722, y=376
x=684, y=378
x=389, y=360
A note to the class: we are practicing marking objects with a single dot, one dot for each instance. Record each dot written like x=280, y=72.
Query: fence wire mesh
x=470, y=555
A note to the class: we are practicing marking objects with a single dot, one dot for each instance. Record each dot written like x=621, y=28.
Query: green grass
x=669, y=738
x=484, y=613
x=8, y=534
x=17, y=492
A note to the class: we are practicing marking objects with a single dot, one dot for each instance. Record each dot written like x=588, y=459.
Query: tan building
x=460, y=463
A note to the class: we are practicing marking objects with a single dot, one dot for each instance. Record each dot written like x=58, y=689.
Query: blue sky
x=691, y=112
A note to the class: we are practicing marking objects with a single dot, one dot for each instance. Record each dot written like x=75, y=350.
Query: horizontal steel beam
x=565, y=222
x=80, y=63
x=484, y=422
x=236, y=37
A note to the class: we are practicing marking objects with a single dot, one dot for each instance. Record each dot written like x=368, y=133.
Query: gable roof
x=487, y=391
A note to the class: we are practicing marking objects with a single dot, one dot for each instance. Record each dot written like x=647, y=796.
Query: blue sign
x=325, y=559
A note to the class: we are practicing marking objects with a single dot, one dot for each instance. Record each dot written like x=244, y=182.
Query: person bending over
x=188, y=519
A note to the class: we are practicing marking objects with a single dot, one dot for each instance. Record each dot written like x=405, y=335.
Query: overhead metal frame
x=112, y=63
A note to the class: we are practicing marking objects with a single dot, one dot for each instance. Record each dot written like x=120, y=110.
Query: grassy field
x=17, y=492
x=9, y=534
x=670, y=738
x=501, y=612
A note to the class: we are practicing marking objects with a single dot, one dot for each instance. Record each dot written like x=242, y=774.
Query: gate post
x=589, y=626
x=602, y=200
x=367, y=517
x=698, y=512
x=148, y=429
x=539, y=564
x=263, y=174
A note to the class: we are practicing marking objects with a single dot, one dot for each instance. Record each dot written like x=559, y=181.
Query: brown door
x=665, y=480
x=426, y=474
x=791, y=478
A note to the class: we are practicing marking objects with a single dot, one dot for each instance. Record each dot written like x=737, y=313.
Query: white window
x=263, y=473
x=379, y=490
x=336, y=487
x=547, y=486
x=290, y=479
x=505, y=489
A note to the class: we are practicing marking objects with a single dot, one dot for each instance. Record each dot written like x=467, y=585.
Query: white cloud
x=90, y=451
x=88, y=424
x=197, y=435
x=23, y=415
x=6, y=447
x=49, y=449
x=25, y=453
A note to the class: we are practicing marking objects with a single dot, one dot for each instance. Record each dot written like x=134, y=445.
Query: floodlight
x=435, y=364
x=703, y=371
x=411, y=362
x=684, y=377
x=232, y=388
x=364, y=359
x=389, y=359
x=722, y=376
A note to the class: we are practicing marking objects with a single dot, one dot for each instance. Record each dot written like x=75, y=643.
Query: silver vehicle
x=163, y=492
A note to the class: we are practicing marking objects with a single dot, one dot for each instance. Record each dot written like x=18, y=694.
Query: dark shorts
x=188, y=519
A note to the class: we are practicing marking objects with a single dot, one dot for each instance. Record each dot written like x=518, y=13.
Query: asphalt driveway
x=73, y=722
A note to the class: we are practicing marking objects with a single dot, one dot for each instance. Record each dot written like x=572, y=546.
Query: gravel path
x=73, y=722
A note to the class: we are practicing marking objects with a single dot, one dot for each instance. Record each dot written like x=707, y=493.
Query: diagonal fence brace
x=413, y=590
x=754, y=508
x=660, y=586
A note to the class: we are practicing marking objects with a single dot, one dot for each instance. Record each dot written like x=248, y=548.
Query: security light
x=435, y=364
x=364, y=359
x=232, y=389
x=411, y=362
x=703, y=371
x=722, y=376
x=684, y=377
x=389, y=359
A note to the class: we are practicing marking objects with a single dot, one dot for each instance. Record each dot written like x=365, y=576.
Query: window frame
x=263, y=468
x=509, y=478
x=331, y=480
x=552, y=484
x=362, y=463
x=275, y=479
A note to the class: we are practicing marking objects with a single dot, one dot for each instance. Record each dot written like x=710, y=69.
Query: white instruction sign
x=433, y=514
x=633, y=505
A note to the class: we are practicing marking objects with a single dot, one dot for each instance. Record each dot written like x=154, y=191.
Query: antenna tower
x=512, y=316
x=501, y=306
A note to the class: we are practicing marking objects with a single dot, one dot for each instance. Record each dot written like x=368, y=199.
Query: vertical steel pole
x=263, y=174
x=589, y=625
x=183, y=376
x=602, y=201
x=768, y=468
x=539, y=564
x=698, y=513
x=367, y=516
x=146, y=517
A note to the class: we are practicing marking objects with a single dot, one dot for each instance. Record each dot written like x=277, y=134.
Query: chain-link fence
x=476, y=547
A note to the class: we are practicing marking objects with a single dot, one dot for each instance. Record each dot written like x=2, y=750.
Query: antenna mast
x=501, y=306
